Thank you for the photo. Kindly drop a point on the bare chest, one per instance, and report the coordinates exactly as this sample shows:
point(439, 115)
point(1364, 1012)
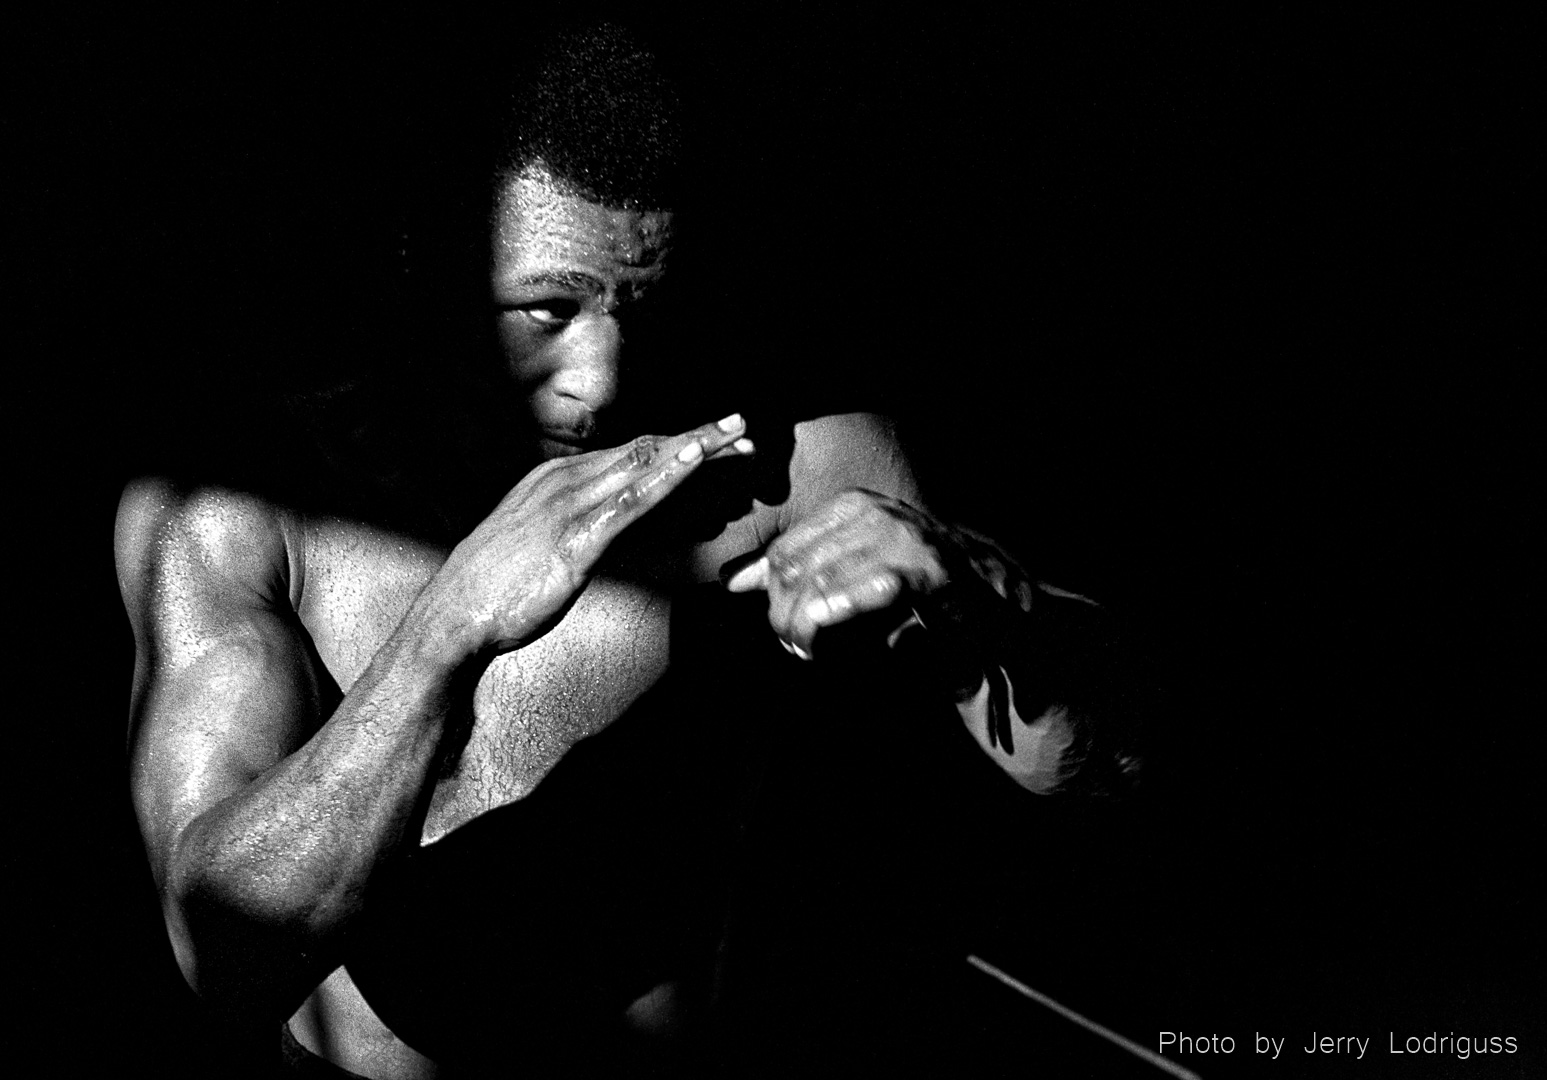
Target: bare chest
point(529, 706)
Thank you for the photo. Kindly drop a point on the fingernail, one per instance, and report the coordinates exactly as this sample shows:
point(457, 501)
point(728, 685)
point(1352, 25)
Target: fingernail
point(731, 422)
point(749, 577)
point(896, 635)
point(691, 452)
point(743, 446)
point(794, 649)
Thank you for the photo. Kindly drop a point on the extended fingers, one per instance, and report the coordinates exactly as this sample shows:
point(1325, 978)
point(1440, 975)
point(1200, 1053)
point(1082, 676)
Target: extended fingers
point(752, 576)
point(625, 483)
point(641, 473)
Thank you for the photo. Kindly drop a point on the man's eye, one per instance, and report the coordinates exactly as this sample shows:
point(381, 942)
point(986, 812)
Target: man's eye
point(551, 313)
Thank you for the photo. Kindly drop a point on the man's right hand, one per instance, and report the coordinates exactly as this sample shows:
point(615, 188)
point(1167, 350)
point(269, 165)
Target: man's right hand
point(267, 805)
point(518, 571)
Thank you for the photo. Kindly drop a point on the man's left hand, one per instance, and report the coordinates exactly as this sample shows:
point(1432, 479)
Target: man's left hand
point(863, 552)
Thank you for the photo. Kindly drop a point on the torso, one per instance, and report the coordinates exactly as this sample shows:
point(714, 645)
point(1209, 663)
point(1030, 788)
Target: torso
point(529, 707)
point(350, 583)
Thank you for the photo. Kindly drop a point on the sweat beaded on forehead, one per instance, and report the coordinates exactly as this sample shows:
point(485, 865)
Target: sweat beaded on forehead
point(536, 220)
point(600, 117)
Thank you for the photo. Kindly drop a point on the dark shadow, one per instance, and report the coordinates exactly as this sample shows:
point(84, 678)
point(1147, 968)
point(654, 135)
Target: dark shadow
point(1217, 323)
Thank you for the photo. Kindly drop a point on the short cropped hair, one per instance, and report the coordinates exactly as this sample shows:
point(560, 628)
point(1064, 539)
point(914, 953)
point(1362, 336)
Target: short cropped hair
point(598, 113)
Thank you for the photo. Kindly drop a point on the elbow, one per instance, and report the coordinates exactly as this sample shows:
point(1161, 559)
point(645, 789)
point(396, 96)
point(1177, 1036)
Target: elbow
point(181, 938)
point(241, 947)
point(209, 933)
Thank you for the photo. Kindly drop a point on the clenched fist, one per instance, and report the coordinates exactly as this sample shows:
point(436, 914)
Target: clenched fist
point(864, 552)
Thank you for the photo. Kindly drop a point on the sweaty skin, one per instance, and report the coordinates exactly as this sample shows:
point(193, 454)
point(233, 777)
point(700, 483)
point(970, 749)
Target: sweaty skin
point(299, 678)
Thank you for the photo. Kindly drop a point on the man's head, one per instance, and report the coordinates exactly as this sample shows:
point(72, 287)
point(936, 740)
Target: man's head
point(581, 226)
point(600, 115)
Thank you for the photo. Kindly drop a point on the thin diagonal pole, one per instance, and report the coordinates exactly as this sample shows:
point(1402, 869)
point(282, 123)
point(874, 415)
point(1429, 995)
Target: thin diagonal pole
point(1089, 1025)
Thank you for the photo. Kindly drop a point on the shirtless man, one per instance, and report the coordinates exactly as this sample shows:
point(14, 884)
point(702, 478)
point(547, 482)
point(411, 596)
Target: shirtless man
point(302, 682)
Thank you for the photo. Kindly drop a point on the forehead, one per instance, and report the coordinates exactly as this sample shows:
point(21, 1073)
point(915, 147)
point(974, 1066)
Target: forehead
point(540, 226)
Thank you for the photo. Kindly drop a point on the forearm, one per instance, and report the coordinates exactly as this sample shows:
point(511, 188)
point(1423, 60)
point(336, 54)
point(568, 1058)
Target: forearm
point(1035, 758)
point(1041, 677)
point(261, 887)
point(1052, 693)
point(266, 854)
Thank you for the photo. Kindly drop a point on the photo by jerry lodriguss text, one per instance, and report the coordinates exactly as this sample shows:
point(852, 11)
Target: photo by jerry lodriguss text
point(1462, 1046)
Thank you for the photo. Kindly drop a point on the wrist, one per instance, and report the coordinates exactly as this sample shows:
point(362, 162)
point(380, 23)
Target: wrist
point(941, 657)
point(438, 643)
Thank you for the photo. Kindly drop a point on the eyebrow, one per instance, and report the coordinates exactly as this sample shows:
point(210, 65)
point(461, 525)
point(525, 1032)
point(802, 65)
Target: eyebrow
point(571, 280)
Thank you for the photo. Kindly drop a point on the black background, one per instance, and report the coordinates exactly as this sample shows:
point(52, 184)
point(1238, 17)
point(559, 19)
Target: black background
point(1214, 317)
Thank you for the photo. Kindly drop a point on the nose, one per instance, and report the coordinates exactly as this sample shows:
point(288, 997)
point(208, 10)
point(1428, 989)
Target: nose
point(586, 368)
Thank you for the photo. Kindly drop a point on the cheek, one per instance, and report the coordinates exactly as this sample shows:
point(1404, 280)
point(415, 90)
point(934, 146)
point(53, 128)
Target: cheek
point(522, 355)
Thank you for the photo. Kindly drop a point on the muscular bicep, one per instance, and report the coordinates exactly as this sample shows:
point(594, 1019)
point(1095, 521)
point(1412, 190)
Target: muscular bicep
point(203, 731)
point(226, 683)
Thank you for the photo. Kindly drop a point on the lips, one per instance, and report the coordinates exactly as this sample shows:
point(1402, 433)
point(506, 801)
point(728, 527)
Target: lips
point(563, 443)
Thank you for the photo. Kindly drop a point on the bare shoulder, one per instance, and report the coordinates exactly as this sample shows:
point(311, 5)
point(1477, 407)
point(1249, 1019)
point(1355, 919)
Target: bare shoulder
point(209, 539)
point(848, 450)
point(223, 683)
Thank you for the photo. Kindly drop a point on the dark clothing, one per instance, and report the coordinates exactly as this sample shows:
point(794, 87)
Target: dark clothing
point(524, 935)
point(787, 836)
